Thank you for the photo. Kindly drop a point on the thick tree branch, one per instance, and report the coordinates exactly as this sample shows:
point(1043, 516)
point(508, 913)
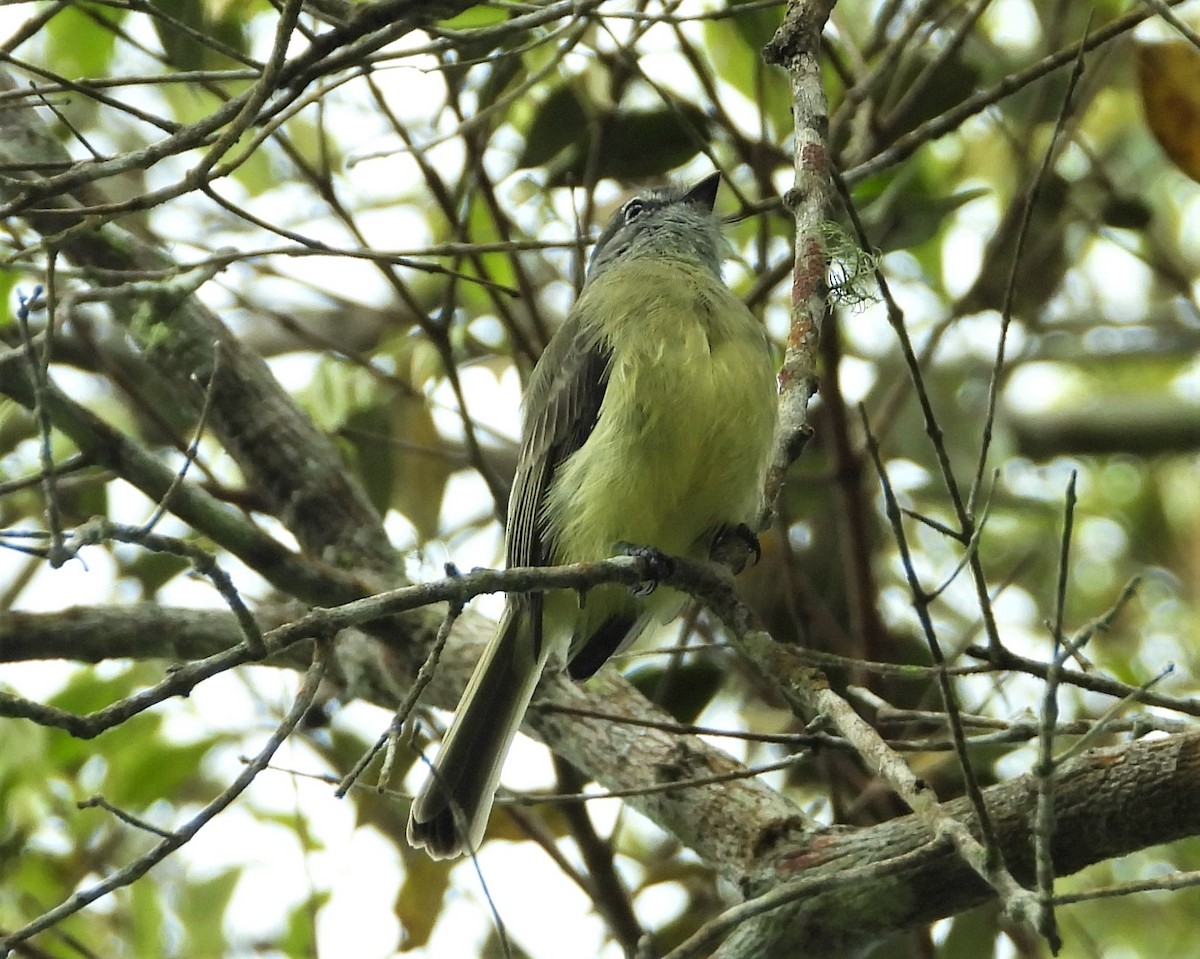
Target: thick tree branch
point(729, 824)
point(107, 446)
point(1108, 802)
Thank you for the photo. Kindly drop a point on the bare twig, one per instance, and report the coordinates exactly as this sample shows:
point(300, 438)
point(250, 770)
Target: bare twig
point(1045, 768)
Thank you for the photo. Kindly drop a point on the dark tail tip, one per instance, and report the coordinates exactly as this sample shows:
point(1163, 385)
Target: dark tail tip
point(439, 836)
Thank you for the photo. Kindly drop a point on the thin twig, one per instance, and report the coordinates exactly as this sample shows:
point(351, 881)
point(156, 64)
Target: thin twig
point(987, 859)
point(1045, 768)
point(404, 710)
point(701, 942)
point(908, 144)
point(39, 374)
point(99, 802)
point(1006, 313)
point(193, 448)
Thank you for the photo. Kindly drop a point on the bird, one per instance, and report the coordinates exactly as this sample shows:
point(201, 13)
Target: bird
point(647, 423)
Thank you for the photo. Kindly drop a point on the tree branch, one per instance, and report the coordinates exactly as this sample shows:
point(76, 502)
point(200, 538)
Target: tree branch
point(278, 449)
point(1107, 803)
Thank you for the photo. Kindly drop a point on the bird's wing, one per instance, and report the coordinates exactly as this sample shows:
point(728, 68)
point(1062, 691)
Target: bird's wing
point(562, 405)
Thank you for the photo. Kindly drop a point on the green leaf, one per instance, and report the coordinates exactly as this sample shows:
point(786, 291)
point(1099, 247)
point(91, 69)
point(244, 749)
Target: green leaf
point(80, 46)
point(222, 22)
point(156, 770)
point(683, 690)
point(258, 173)
point(505, 67)
point(337, 392)
point(634, 144)
point(419, 901)
point(645, 144)
point(735, 49)
point(152, 571)
point(144, 925)
point(1126, 212)
point(481, 15)
point(952, 81)
point(365, 441)
point(558, 123)
point(420, 474)
point(8, 280)
point(300, 939)
point(910, 210)
point(202, 913)
point(86, 691)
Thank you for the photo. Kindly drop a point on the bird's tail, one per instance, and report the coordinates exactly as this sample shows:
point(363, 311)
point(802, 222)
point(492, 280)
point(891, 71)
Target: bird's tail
point(450, 814)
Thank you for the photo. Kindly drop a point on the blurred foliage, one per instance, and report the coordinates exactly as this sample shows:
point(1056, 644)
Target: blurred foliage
point(485, 152)
point(574, 140)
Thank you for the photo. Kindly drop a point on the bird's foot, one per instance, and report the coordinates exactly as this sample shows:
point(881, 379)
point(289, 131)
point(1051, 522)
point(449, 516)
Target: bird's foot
point(733, 545)
point(656, 566)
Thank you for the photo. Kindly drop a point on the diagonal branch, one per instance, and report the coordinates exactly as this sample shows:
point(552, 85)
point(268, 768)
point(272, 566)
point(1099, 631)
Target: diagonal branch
point(279, 450)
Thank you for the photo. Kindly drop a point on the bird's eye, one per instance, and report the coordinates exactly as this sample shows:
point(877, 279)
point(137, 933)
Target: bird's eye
point(633, 209)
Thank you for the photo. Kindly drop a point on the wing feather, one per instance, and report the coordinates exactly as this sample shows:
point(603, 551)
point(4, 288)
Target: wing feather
point(562, 405)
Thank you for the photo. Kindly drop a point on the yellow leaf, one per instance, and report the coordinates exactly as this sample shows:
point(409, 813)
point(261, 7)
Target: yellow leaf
point(1169, 73)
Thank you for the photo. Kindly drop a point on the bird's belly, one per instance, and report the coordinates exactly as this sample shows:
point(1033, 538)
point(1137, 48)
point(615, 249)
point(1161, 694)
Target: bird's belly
point(678, 451)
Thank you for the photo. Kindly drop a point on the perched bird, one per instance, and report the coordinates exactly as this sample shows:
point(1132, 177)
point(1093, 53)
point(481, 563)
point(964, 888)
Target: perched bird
point(647, 421)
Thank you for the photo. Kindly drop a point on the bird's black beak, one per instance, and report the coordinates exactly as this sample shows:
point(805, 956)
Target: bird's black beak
point(704, 193)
